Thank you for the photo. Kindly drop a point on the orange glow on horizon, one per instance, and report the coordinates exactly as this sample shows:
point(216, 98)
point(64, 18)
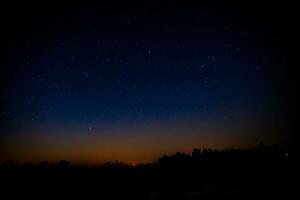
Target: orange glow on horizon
point(128, 144)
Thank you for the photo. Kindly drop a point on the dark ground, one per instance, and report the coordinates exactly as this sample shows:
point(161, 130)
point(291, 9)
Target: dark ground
point(230, 174)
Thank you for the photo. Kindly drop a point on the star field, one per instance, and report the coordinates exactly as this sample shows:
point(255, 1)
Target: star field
point(122, 83)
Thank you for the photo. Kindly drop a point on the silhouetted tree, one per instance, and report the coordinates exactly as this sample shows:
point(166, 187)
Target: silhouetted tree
point(196, 153)
point(261, 146)
point(163, 160)
point(43, 164)
point(8, 164)
point(63, 164)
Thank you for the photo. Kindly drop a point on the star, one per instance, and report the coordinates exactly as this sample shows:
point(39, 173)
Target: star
point(203, 65)
point(226, 28)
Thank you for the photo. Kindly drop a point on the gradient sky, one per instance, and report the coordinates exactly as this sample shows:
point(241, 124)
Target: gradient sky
point(102, 82)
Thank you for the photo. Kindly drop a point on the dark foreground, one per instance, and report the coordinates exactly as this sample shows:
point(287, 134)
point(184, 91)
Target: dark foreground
point(232, 174)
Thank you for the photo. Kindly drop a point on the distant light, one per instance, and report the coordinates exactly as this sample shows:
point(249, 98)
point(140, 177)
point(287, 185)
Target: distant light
point(287, 155)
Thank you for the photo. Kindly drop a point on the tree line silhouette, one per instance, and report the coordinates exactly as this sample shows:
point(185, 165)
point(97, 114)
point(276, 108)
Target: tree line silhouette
point(198, 156)
point(263, 172)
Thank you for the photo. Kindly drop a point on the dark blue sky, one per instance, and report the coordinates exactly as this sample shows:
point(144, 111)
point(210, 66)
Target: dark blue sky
point(81, 71)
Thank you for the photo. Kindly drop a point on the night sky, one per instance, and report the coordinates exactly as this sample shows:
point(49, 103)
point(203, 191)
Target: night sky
point(130, 82)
